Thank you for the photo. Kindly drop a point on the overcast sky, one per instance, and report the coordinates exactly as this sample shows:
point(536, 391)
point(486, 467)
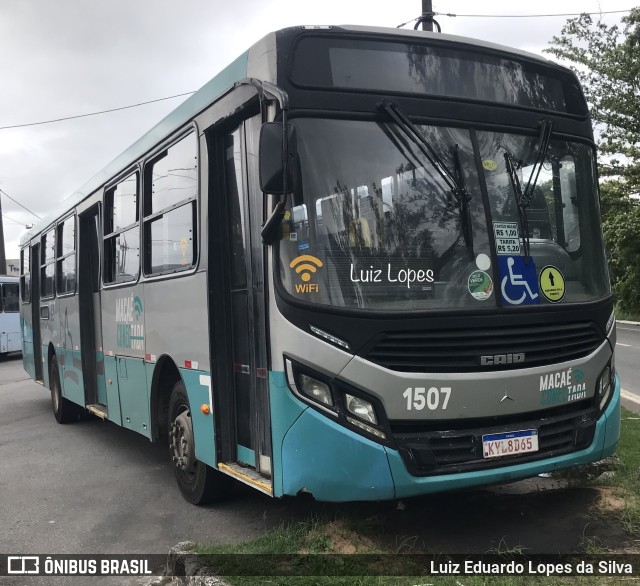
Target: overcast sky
point(67, 57)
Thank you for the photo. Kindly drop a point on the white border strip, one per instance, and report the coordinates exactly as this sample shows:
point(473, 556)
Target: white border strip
point(629, 396)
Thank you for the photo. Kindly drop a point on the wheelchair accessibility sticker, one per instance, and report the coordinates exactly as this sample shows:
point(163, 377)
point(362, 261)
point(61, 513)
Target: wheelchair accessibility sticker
point(518, 280)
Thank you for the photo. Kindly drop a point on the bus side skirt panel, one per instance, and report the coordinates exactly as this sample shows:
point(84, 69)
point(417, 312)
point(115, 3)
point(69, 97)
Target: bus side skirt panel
point(113, 392)
point(44, 351)
point(199, 391)
point(70, 369)
point(285, 410)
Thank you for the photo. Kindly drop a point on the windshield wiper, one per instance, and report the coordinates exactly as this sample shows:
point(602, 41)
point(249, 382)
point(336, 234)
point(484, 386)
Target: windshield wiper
point(523, 198)
point(521, 203)
point(463, 198)
point(455, 183)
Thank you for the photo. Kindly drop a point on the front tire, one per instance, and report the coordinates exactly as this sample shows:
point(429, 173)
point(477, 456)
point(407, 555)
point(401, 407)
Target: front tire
point(199, 484)
point(63, 410)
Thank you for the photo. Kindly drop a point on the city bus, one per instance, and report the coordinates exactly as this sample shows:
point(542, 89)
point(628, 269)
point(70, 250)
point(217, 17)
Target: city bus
point(10, 333)
point(359, 263)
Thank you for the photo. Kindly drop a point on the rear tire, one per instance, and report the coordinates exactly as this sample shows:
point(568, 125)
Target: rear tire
point(63, 410)
point(199, 484)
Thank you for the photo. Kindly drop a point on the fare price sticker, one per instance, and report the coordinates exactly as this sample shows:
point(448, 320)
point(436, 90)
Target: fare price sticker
point(507, 237)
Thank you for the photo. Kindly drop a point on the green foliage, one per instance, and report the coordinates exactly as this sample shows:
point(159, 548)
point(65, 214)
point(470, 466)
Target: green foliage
point(607, 62)
point(621, 227)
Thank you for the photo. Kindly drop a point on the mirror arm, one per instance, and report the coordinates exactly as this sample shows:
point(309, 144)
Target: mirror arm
point(272, 225)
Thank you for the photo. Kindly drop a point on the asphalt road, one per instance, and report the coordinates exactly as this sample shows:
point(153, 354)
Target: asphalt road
point(92, 487)
point(628, 363)
point(628, 356)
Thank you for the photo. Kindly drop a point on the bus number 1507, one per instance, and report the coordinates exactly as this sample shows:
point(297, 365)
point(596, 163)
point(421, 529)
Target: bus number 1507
point(433, 398)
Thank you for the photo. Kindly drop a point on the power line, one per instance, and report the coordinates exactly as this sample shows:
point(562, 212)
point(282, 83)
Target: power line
point(22, 206)
point(565, 14)
point(5, 217)
point(94, 113)
point(532, 15)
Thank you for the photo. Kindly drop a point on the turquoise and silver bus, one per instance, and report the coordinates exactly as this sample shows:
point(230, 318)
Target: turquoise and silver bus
point(360, 263)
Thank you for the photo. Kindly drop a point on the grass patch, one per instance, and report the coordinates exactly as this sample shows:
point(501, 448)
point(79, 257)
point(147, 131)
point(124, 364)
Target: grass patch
point(627, 478)
point(628, 451)
point(626, 315)
point(314, 540)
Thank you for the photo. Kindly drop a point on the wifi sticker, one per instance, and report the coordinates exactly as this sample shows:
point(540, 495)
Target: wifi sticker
point(306, 266)
point(137, 307)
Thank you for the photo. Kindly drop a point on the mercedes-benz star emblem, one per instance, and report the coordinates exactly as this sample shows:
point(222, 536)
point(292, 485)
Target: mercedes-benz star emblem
point(506, 396)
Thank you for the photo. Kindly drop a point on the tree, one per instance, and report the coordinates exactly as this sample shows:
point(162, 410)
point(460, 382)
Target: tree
point(607, 62)
point(621, 222)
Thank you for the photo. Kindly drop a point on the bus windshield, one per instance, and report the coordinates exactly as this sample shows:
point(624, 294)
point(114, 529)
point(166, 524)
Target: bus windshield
point(374, 225)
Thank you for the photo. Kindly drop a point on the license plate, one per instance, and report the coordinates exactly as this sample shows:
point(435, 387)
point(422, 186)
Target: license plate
point(510, 443)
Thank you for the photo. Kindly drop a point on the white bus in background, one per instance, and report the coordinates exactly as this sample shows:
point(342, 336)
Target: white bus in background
point(10, 333)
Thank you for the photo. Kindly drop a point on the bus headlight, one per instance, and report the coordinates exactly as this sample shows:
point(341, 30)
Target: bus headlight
point(361, 409)
point(332, 397)
point(316, 391)
point(604, 386)
point(310, 389)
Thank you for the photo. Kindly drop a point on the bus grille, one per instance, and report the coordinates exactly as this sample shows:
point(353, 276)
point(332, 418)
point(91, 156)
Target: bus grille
point(446, 452)
point(460, 350)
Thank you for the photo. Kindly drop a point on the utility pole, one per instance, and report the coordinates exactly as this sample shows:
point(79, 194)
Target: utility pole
point(427, 16)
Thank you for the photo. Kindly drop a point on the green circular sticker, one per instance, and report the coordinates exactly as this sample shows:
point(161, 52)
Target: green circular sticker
point(489, 165)
point(552, 283)
point(480, 285)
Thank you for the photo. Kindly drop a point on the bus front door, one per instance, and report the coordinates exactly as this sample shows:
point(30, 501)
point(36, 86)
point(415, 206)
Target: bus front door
point(237, 290)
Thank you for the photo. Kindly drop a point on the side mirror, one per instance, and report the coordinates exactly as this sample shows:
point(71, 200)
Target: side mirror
point(273, 157)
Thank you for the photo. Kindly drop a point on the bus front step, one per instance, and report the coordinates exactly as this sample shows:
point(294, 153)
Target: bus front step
point(248, 476)
point(98, 410)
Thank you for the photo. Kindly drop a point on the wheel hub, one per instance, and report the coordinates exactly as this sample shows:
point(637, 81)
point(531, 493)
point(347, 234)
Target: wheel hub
point(182, 444)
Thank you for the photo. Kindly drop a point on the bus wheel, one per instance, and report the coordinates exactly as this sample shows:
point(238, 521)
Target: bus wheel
point(200, 484)
point(64, 410)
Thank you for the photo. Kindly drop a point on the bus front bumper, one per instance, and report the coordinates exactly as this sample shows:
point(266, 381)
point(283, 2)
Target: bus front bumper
point(331, 462)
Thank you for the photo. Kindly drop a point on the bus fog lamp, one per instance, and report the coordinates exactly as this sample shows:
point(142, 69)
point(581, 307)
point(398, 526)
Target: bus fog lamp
point(361, 408)
point(316, 390)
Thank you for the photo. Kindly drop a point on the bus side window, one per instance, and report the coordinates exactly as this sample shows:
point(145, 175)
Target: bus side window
point(48, 265)
point(10, 301)
point(66, 253)
point(171, 191)
point(122, 231)
point(25, 273)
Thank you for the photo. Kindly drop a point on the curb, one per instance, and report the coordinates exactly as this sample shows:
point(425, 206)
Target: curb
point(627, 322)
point(182, 561)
